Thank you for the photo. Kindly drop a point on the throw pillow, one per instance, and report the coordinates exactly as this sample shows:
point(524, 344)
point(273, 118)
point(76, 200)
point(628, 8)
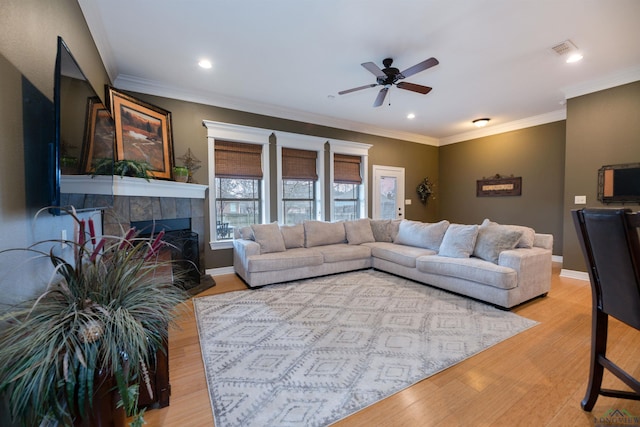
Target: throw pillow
point(245, 233)
point(421, 234)
point(359, 231)
point(293, 236)
point(320, 233)
point(493, 239)
point(528, 233)
point(269, 237)
point(459, 241)
point(380, 229)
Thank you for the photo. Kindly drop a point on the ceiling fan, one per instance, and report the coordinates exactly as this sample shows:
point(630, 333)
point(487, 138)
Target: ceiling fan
point(389, 76)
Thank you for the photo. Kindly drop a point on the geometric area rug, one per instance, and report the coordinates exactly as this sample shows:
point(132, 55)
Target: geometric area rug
point(312, 352)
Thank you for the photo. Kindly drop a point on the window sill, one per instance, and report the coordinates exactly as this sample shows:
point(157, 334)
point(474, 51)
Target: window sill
point(221, 244)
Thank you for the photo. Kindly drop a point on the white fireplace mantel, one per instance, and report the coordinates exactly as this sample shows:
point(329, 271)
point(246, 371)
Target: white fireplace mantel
point(127, 186)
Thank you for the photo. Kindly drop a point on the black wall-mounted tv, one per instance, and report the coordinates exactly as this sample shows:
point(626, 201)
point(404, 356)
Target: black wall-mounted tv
point(74, 100)
point(619, 183)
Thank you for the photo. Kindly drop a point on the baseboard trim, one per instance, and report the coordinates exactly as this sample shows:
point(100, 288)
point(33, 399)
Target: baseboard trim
point(573, 274)
point(220, 271)
point(556, 258)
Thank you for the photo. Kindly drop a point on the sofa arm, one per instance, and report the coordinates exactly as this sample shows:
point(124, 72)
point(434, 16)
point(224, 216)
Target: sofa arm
point(533, 267)
point(242, 250)
point(544, 241)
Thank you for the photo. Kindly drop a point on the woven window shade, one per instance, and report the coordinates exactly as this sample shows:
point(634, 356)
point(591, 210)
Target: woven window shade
point(299, 164)
point(346, 169)
point(238, 160)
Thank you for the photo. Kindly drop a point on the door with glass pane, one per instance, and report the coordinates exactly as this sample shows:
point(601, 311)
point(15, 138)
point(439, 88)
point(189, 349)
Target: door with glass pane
point(388, 192)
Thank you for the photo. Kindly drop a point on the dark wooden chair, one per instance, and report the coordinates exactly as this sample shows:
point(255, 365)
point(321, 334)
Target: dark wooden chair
point(611, 248)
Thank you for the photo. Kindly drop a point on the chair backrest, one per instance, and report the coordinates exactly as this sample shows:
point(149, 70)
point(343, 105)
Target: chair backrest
point(611, 247)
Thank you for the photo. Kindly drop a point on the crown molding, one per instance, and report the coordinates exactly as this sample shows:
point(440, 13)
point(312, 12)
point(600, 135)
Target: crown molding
point(135, 84)
point(528, 122)
point(628, 75)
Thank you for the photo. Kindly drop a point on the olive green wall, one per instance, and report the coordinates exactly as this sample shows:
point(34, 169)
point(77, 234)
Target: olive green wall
point(603, 128)
point(188, 132)
point(28, 47)
point(536, 154)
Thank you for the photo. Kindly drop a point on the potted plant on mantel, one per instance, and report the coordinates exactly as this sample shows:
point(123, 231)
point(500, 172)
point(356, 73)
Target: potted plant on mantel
point(101, 320)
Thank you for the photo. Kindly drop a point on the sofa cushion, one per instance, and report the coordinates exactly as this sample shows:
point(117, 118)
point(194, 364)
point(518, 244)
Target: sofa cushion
point(293, 236)
point(400, 254)
point(385, 230)
point(459, 241)
point(269, 237)
point(318, 233)
point(343, 252)
point(245, 233)
point(528, 233)
point(292, 258)
point(421, 234)
point(359, 231)
point(473, 269)
point(493, 239)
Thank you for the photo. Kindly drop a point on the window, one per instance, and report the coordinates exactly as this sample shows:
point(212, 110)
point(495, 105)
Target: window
point(238, 181)
point(299, 176)
point(346, 187)
point(238, 171)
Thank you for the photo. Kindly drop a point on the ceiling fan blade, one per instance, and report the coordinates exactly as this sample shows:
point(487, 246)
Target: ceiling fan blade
point(414, 87)
point(381, 95)
point(374, 69)
point(342, 92)
point(428, 63)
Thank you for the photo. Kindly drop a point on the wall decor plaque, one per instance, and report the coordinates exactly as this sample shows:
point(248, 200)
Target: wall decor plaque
point(499, 186)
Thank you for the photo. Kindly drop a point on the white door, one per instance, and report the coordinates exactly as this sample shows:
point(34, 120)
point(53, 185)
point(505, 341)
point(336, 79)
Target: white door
point(388, 192)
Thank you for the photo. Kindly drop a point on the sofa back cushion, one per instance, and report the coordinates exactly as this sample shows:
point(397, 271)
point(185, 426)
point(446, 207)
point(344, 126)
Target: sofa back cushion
point(319, 233)
point(385, 230)
point(421, 234)
point(359, 231)
point(269, 237)
point(459, 241)
point(293, 236)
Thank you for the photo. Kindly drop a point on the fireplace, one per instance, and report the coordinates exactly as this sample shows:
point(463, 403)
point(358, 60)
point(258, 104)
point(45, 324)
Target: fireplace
point(182, 245)
point(181, 218)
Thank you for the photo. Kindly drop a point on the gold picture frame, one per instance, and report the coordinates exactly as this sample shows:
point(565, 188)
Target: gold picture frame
point(142, 133)
point(98, 134)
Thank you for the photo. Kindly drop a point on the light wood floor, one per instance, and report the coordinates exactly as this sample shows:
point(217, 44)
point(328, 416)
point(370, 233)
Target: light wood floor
point(536, 378)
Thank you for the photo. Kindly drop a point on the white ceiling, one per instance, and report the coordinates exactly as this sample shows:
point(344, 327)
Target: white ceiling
point(290, 58)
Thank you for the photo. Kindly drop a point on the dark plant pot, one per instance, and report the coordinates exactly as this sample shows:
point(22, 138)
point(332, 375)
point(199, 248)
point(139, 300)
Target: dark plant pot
point(104, 412)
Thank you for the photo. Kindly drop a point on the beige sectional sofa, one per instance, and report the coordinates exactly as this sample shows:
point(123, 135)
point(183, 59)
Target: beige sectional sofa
point(503, 265)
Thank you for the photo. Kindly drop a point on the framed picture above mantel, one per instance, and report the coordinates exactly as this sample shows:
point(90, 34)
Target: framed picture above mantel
point(498, 185)
point(142, 132)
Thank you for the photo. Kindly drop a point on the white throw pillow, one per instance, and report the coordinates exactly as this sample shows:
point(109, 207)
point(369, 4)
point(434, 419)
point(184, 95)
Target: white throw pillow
point(359, 231)
point(293, 236)
point(493, 239)
point(528, 233)
point(269, 237)
point(459, 241)
point(421, 234)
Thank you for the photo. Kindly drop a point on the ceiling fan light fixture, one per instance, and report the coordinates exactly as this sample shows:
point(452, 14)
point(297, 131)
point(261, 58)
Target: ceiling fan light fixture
point(481, 122)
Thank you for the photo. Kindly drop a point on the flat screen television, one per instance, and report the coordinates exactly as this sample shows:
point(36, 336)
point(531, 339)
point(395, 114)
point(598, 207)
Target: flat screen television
point(83, 135)
point(619, 183)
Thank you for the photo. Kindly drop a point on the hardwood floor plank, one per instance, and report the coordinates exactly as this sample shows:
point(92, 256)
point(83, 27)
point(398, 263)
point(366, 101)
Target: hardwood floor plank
point(536, 378)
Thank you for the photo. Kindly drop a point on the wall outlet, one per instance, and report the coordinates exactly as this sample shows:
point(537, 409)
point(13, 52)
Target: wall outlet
point(580, 200)
point(407, 201)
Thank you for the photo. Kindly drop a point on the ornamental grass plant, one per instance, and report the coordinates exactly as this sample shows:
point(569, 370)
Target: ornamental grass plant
point(105, 313)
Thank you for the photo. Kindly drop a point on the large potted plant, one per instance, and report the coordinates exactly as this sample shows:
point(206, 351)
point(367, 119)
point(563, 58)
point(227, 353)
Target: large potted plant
point(101, 320)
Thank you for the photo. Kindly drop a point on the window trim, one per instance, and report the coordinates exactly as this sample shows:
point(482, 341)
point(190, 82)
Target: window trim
point(354, 149)
point(234, 133)
point(300, 142)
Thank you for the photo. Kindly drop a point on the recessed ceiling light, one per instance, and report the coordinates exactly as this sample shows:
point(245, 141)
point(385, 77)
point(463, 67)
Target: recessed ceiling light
point(481, 122)
point(204, 63)
point(411, 116)
point(574, 57)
